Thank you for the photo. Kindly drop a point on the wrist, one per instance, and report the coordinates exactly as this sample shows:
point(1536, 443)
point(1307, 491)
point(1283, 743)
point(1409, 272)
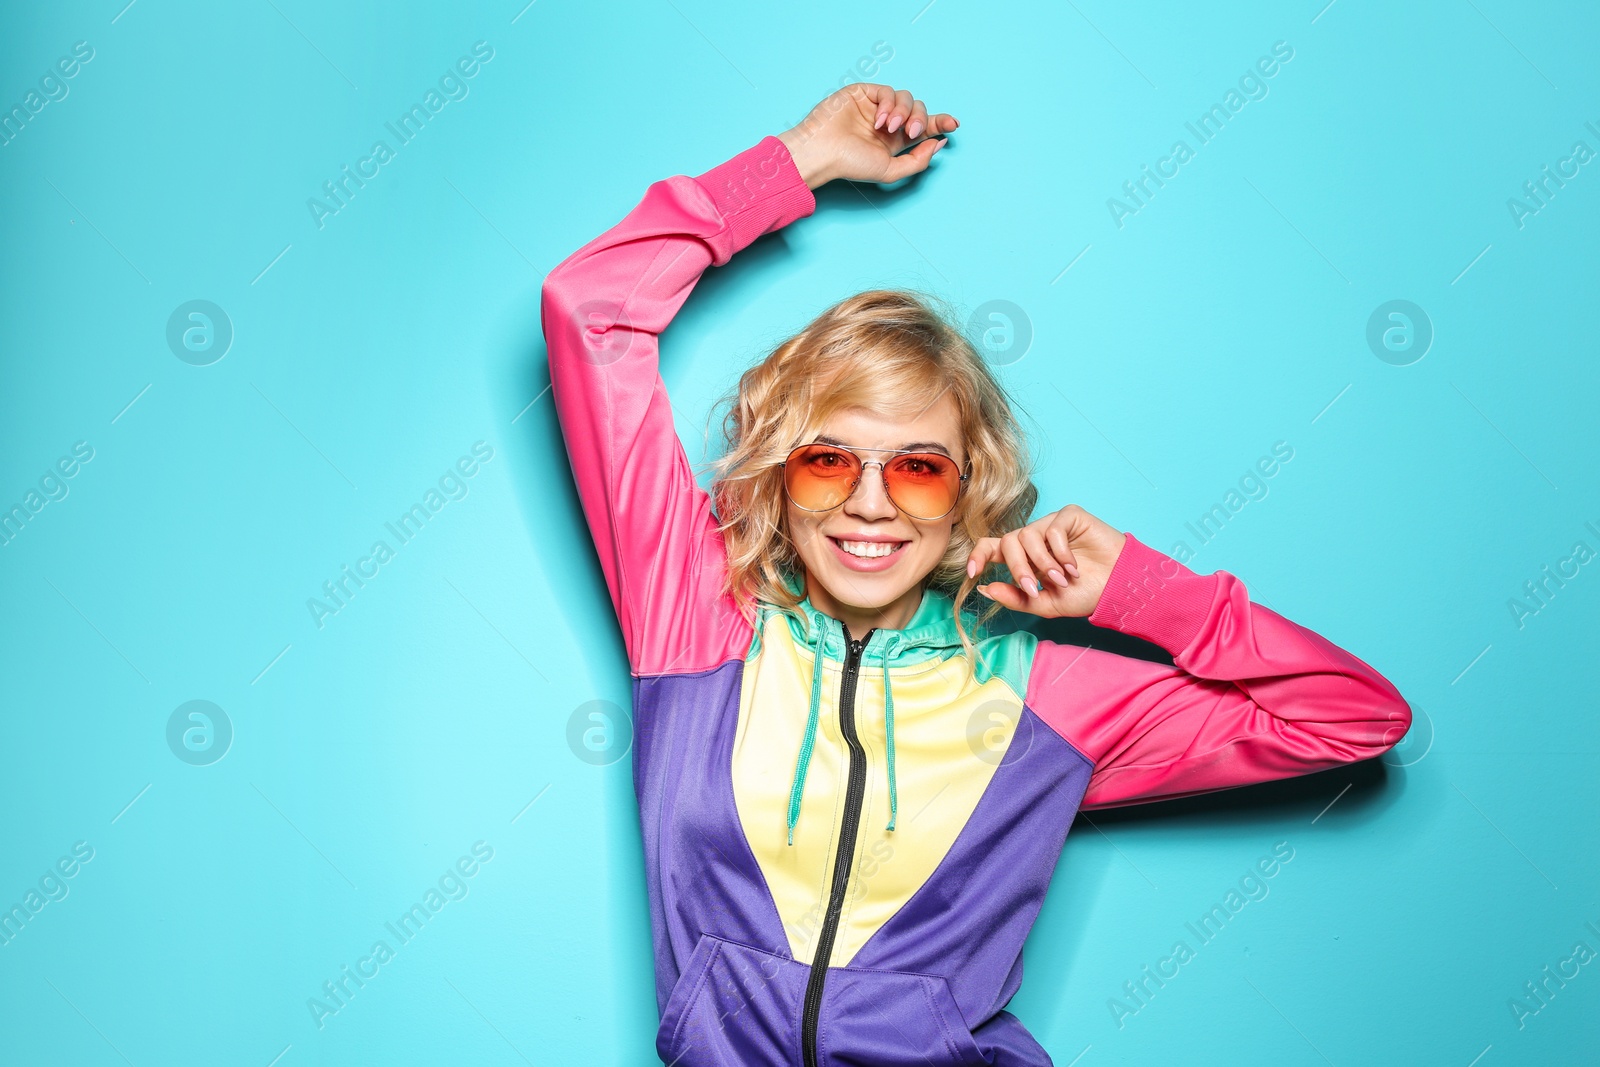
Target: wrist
point(1152, 596)
point(807, 159)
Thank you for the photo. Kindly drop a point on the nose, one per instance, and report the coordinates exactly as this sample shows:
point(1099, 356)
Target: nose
point(870, 499)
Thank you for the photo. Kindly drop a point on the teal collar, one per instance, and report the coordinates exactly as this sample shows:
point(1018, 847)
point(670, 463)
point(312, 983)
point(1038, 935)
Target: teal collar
point(930, 635)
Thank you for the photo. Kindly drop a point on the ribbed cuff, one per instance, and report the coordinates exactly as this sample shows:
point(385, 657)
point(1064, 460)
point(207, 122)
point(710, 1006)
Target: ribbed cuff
point(757, 191)
point(1152, 596)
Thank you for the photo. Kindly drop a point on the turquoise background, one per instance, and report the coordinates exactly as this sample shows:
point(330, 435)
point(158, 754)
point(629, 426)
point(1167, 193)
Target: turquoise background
point(434, 710)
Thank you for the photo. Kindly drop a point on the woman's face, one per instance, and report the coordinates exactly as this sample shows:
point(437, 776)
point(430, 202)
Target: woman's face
point(876, 590)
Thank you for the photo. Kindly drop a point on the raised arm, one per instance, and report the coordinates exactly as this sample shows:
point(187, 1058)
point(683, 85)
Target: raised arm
point(604, 308)
point(1251, 697)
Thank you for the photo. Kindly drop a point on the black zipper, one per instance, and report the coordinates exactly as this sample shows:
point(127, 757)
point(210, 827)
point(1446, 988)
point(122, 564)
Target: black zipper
point(855, 793)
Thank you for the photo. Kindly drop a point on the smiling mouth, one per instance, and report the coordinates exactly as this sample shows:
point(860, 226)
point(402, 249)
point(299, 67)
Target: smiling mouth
point(869, 549)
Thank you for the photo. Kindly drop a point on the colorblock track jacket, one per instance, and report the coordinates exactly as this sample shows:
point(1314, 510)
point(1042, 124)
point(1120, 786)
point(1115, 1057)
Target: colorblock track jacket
point(847, 841)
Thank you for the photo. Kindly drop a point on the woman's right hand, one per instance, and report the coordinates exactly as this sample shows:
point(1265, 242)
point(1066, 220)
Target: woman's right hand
point(860, 132)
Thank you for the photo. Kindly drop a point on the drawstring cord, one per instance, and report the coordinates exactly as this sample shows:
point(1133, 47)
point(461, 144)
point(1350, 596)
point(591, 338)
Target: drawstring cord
point(803, 763)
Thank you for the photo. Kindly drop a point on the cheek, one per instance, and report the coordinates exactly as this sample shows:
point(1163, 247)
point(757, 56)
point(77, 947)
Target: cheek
point(802, 528)
point(933, 543)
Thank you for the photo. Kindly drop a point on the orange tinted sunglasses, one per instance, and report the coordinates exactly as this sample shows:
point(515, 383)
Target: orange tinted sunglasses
point(923, 485)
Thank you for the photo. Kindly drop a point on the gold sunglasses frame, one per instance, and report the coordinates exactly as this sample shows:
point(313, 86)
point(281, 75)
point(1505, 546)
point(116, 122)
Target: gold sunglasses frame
point(961, 485)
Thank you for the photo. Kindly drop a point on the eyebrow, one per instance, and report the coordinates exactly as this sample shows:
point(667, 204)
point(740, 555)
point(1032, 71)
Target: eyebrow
point(915, 446)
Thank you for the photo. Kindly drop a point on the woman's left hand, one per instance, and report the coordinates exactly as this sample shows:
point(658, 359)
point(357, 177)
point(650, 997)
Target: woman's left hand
point(1059, 564)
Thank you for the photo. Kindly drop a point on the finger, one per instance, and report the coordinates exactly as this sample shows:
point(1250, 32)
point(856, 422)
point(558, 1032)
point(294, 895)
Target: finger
point(1058, 540)
point(914, 161)
point(882, 97)
point(1006, 595)
point(942, 123)
point(983, 553)
point(900, 112)
point(1033, 543)
point(918, 121)
point(1016, 558)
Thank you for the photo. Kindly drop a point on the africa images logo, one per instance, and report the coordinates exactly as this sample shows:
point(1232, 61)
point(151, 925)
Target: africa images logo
point(1252, 85)
point(338, 192)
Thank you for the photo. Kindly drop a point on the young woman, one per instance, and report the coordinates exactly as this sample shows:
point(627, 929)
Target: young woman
point(852, 794)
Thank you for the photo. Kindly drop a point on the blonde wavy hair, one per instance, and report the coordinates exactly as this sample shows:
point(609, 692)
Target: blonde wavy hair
point(888, 350)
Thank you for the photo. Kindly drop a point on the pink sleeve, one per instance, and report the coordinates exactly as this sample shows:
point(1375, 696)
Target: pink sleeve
point(1251, 697)
point(603, 309)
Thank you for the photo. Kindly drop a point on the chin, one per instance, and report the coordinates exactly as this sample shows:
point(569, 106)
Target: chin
point(871, 590)
point(870, 583)
point(865, 596)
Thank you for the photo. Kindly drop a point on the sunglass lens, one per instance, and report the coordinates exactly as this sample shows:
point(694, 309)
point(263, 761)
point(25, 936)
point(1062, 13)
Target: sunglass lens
point(819, 477)
point(924, 485)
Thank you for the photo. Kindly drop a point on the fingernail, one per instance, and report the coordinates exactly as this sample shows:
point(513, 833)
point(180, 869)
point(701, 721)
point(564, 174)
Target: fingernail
point(1031, 586)
point(894, 123)
point(983, 591)
point(972, 568)
point(1057, 577)
point(1072, 569)
point(913, 129)
point(942, 142)
point(878, 121)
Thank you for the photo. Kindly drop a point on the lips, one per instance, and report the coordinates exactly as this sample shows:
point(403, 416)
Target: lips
point(883, 552)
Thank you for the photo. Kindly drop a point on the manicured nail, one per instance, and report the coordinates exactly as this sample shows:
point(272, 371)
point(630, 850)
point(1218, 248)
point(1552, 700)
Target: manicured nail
point(983, 591)
point(1057, 577)
point(1072, 569)
point(1031, 586)
point(972, 568)
point(894, 123)
point(913, 129)
point(878, 121)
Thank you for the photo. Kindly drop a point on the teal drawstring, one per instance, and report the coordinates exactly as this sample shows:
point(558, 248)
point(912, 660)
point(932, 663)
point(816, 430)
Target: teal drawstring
point(809, 742)
point(806, 745)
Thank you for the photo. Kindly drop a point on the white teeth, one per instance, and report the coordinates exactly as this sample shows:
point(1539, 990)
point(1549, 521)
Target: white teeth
point(869, 549)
